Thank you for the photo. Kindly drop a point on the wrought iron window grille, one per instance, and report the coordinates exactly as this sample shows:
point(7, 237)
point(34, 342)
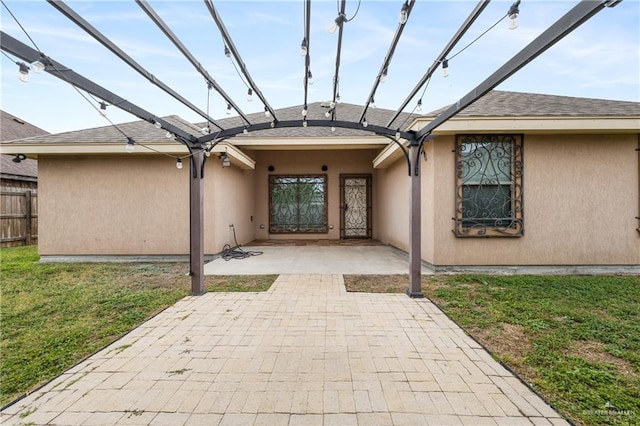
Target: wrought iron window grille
point(488, 199)
point(298, 204)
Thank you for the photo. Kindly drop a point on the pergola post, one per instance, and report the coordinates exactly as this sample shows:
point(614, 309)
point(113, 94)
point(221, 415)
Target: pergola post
point(196, 222)
point(415, 257)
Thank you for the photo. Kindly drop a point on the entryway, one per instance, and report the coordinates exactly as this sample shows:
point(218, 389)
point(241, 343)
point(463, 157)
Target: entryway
point(355, 206)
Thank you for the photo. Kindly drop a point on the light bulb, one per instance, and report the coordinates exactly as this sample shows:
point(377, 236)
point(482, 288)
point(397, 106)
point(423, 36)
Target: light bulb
point(372, 104)
point(130, 147)
point(338, 97)
point(365, 123)
point(383, 76)
point(332, 105)
point(228, 109)
point(249, 95)
point(207, 153)
point(303, 47)
point(404, 13)
point(419, 106)
point(397, 134)
point(227, 52)
point(445, 68)
point(309, 77)
point(267, 113)
point(245, 131)
point(226, 162)
point(304, 123)
point(333, 28)
point(513, 21)
point(333, 128)
point(103, 109)
point(23, 73)
point(327, 114)
point(304, 112)
point(157, 125)
point(179, 163)
point(37, 67)
point(273, 124)
point(169, 135)
point(205, 130)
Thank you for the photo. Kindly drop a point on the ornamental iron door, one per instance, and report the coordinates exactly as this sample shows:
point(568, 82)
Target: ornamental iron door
point(355, 206)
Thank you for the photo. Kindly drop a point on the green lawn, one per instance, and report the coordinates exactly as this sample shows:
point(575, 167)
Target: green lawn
point(576, 339)
point(54, 315)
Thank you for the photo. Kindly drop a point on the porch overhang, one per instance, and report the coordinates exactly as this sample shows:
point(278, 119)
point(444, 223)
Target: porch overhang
point(316, 143)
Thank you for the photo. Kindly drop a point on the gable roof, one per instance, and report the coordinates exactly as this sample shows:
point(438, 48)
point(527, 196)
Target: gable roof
point(516, 104)
point(11, 128)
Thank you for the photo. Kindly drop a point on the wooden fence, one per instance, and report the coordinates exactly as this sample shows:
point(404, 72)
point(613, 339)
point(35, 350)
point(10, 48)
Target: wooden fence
point(18, 218)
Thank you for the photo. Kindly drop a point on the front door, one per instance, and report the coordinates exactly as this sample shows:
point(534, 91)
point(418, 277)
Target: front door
point(355, 206)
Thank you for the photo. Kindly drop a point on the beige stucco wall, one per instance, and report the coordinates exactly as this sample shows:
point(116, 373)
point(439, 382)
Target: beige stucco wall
point(392, 215)
point(309, 162)
point(135, 205)
point(580, 203)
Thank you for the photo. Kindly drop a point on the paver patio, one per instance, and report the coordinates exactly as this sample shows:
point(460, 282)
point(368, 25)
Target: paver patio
point(305, 352)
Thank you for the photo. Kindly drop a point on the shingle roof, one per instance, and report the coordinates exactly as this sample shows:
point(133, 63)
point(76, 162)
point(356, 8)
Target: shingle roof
point(515, 104)
point(316, 111)
point(12, 127)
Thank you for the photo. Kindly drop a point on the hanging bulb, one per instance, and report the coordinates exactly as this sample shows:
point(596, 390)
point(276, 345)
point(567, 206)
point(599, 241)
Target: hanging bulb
point(383, 76)
point(304, 123)
point(205, 130)
point(309, 77)
point(327, 114)
point(333, 128)
point(398, 134)
point(338, 97)
point(267, 113)
point(169, 135)
point(226, 162)
point(179, 163)
point(157, 125)
point(333, 28)
point(341, 19)
point(103, 109)
point(332, 105)
point(228, 109)
point(23, 73)
point(207, 153)
point(227, 52)
point(245, 131)
point(404, 13)
point(273, 124)
point(419, 107)
point(445, 68)
point(37, 67)
point(304, 111)
point(372, 104)
point(514, 11)
point(303, 47)
point(130, 147)
point(249, 94)
point(365, 123)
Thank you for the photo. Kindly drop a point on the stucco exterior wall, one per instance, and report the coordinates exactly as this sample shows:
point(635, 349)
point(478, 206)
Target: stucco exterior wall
point(338, 162)
point(580, 200)
point(135, 205)
point(392, 215)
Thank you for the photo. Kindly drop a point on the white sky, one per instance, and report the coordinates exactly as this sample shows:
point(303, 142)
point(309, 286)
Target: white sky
point(601, 59)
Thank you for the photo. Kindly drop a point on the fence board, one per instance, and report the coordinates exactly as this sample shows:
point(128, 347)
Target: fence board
point(18, 218)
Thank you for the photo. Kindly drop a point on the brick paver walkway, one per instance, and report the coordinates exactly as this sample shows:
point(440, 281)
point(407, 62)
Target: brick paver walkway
point(304, 353)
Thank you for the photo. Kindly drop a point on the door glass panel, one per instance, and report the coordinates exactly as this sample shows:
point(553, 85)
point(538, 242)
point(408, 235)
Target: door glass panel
point(355, 207)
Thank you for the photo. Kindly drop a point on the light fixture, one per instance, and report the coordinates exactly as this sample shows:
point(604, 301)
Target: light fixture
point(327, 114)
point(341, 19)
point(227, 52)
point(445, 68)
point(205, 130)
point(404, 13)
point(169, 135)
point(333, 128)
point(179, 163)
point(226, 162)
point(245, 131)
point(372, 104)
point(419, 106)
point(398, 134)
point(103, 109)
point(18, 158)
point(37, 67)
point(383, 76)
point(157, 125)
point(332, 105)
point(130, 145)
point(304, 48)
point(228, 109)
point(273, 124)
point(23, 73)
point(514, 11)
point(304, 123)
point(249, 94)
point(267, 113)
point(365, 123)
point(338, 97)
point(304, 111)
point(309, 77)
point(207, 152)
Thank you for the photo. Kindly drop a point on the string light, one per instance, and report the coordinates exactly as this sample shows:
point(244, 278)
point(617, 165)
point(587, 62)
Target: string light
point(245, 131)
point(309, 77)
point(327, 114)
point(383, 76)
point(169, 135)
point(372, 104)
point(228, 109)
point(404, 13)
point(226, 162)
point(338, 97)
point(103, 109)
point(332, 105)
point(333, 128)
point(304, 47)
point(249, 94)
point(365, 123)
point(514, 11)
point(304, 123)
point(445, 68)
point(206, 130)
point(179, 163)
point(398, 134)
point(419, 106)
point(130, 147)
point(37, 67)
point(227, 52)
point(157, 125)
point(341, 19)
point(273, 124)
point(267, 113)
point(304, 111)
point(23, 72)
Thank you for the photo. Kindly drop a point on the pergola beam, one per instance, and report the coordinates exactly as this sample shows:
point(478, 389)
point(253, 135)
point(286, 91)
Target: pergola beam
point(336, 75)
point(475, 13)
point(102, 39)
point(187, 54)
point(387, 60)
point(234, 51)
point(28, 54)
point(307, 57)
point(563, 26)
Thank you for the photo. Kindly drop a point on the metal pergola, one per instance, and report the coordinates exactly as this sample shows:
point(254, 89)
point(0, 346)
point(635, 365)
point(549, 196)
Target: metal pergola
point(199, 145)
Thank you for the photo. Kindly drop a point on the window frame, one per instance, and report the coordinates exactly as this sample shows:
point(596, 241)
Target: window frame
point(298, 230)
point(479, 227)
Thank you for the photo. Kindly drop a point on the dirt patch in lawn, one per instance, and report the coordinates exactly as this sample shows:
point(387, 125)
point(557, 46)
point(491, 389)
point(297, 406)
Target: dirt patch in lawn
point(377, 283)
point(594, 352)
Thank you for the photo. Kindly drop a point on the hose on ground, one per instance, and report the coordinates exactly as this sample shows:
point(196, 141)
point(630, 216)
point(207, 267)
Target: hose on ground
point(237, 252)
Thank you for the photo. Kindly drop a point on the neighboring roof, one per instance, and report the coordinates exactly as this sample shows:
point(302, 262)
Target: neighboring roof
point(316, 111)
point(515, 104)
point(11, 128)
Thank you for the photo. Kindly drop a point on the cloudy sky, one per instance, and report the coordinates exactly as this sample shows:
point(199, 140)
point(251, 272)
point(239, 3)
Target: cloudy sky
point(601, 59)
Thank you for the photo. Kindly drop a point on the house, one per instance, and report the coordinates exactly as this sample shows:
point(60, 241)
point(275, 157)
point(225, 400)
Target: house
point(18, 185)
point(516, 180)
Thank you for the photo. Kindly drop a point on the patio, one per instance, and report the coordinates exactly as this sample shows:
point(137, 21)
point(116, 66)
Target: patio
point(305, 352)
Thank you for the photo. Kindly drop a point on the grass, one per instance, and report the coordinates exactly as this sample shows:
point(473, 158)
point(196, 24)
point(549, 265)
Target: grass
point(575, 339)
point(54, 315)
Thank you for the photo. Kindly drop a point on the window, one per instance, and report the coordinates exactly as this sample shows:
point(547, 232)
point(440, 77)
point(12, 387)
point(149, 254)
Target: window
point(489, 186)
point(298, 204)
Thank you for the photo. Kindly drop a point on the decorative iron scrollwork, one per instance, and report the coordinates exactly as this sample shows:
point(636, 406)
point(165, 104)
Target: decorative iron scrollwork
point(489, 186)
point(298, 204)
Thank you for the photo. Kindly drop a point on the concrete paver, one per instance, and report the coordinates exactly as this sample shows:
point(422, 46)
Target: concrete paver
point(304, 352)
